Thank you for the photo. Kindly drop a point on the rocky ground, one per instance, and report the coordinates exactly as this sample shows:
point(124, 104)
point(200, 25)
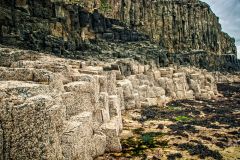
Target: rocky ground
point(58, 108)
point(184, 129)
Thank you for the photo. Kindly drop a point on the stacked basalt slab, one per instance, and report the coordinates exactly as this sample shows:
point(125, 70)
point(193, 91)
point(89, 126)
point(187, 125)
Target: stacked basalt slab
point(54, 108)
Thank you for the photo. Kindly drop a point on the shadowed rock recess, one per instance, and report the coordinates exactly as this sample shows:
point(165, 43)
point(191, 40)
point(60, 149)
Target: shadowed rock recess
point(70, 70)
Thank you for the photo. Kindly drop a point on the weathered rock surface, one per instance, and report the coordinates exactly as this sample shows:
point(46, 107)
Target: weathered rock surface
point(187, 30)
point(176, 24)
point(54, 108)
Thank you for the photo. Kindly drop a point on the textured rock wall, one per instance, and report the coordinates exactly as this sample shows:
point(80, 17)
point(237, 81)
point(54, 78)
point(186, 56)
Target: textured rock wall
point(176, 25)
point(55, 26)
point(53, 108)
point(60, 25)
point(227, 77)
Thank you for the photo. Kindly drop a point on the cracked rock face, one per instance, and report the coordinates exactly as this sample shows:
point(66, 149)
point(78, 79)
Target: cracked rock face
point(175, 25)
point(54, 108)
point(59, 26)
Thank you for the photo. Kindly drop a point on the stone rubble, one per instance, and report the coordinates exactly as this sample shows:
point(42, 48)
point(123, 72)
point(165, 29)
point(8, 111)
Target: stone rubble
point(54, 108)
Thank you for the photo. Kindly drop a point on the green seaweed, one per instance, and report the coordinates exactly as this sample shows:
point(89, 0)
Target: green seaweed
point(105, 7)
point(183, 118)
point(135, 146)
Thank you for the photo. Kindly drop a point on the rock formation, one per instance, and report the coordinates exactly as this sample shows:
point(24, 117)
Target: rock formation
point(109, 56)
point(178, 25)
point(63, 26)
point(54, 108)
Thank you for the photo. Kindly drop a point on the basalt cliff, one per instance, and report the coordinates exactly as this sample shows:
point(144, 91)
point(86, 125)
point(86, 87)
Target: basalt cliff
point(185, 31)
point(70, 72)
